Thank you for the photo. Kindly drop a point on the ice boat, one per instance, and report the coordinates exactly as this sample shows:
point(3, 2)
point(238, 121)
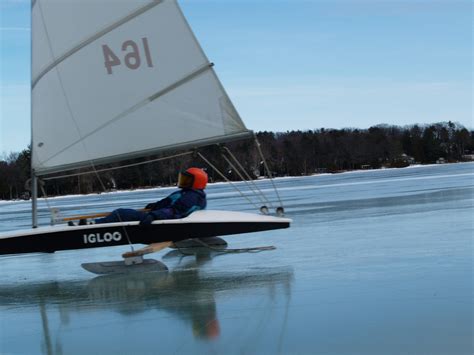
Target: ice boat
point(112, 83)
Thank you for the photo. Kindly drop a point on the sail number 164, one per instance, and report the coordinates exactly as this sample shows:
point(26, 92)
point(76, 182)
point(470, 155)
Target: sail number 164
point(132, 55)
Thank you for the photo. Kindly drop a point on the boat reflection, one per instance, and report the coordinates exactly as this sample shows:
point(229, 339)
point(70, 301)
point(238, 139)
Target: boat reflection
point(187, 292)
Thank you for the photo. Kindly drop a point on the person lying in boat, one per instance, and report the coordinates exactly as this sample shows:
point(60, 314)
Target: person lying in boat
point(191, 197)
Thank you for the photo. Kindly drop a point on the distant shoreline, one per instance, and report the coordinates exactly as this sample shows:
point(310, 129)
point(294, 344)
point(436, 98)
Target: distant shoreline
point(279, 178)
point(287, 154)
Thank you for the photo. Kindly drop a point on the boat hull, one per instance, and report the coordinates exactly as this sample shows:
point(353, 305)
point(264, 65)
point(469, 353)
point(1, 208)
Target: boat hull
point(200, 224)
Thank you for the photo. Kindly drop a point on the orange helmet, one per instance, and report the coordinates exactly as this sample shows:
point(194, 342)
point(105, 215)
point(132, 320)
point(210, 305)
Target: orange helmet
point(192, 178)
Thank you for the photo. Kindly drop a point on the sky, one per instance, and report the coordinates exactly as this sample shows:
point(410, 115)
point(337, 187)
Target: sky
point(300, 64)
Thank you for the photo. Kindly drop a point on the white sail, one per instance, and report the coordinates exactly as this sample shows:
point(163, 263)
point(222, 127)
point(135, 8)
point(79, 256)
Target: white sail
point(118, 79)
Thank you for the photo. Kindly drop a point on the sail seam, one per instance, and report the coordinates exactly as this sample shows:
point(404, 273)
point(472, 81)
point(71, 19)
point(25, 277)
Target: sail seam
point(135, 107)
point(94, 38)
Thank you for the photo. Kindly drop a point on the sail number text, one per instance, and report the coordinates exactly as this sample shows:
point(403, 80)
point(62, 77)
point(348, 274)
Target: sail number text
point(132, 56)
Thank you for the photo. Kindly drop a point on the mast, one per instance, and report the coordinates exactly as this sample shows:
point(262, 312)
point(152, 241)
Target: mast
point(34, 183)
point(34, 199)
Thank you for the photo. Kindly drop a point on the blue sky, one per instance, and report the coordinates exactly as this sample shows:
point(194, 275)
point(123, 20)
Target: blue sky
point(301, 64)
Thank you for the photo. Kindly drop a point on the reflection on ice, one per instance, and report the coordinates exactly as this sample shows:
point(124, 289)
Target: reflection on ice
point(187, 293)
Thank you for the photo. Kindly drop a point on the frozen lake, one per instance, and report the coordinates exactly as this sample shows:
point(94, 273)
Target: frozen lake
point(376, 262)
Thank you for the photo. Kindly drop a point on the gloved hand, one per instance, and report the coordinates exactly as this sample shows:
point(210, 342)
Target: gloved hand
point(147, 219)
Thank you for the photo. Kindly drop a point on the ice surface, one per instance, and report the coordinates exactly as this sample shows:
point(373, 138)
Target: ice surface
point(376, 262)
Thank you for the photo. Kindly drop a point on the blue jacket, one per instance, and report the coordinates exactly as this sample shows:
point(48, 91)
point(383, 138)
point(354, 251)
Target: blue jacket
point(178, 205)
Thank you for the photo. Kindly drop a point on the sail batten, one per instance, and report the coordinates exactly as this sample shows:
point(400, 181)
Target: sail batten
point(138, 86)
point(182, 81)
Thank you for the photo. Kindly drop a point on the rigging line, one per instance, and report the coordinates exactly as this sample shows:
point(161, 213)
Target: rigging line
point(226, 179)
point(68, 105)
point(93, 38)
point(118, 167)
point(52, 210)
point(41, 185)
point(135, 107)
point(248, 176)
point(241, 177)
point(268, 169)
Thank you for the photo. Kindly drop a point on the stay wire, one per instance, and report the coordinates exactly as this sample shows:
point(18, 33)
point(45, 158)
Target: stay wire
point(267, 169)
point(241, 177)
point(227, 179)
point(250, 180)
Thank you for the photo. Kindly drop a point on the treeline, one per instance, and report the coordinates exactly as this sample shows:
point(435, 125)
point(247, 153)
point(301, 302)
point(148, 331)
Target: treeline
point(291, 153)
